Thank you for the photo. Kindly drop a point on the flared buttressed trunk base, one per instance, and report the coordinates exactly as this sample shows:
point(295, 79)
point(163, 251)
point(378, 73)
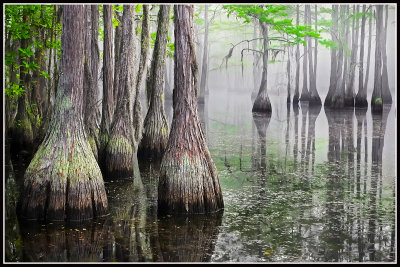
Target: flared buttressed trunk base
point(188, 185)
point(314, 101)
point(63, 182)
point(349, 101)
point(360, 102)
point(262, 104)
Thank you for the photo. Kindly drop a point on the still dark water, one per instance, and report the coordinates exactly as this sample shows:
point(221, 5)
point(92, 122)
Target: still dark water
point(305, 185)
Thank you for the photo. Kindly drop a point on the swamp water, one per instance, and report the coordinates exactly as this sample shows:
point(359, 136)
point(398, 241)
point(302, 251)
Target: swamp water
point(305, 185)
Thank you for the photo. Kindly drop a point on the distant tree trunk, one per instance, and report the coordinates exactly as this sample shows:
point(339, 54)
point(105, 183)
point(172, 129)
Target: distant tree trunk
point(142, 73)
point(333, 80)
point(386, 95)
point(90, 78)
point(63, 181)
point(155, 128)
point(121, 147)
point(188, 181)
point(314, 96)
point(345, 42)
point(338, 97)
point(262, 102)
point(204, 67)
point(368, 56)
point(288, 75)
point(316, 49)
point(376, 100)
point(361, 98)
point(255, 60)
point(349, 97)
point(108, 81)
point(296, 86)
point(305, 94)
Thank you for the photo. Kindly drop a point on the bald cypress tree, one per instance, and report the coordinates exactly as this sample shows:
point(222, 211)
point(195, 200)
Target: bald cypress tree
point(188, 179)
point(63, 181)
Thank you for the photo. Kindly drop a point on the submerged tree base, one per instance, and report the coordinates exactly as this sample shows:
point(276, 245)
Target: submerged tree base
point(262, 104)
point(349, 101)
point(118, 158)
point(360, 102)
point(314, 101)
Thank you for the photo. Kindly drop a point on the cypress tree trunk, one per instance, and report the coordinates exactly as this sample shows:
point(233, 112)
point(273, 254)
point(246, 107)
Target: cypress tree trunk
point(288, 75)
point(376, 99)
point(188, 181)
point(333, 80)
point(262, 102)
point(296, 86)
point(204, 67)
point(108, 81)
point(121, 146)
point(255, 61)
point(361, 98)
point(305, 94)
point(368, 56)
point(386, 95)
point(155, 130)
point(117, 53)
point(142, 72)
point(90, 81)
point(314, 96)
point(338, 97)
point(349, 96)
point(63, 181)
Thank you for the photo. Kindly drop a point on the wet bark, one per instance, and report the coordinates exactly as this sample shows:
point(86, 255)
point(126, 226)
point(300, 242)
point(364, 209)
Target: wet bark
point(297, 81)
point(376, 99)
point(386, 95)
point(63, 181)
point(262, 103)
point(90, 80)
point(142, 72)
point(155, 128)
point(204, 66)
point(361, 97)
point(108, 81)
point(188, 180)
point(121, 146)
point(305, 94)
point(333, 80)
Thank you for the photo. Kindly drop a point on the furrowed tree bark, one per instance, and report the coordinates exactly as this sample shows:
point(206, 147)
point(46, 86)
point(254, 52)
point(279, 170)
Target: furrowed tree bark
point(108, 81)
point(386, 95)
point(142, 72)
point(333, 80)
point(155, 129)
point(349, 95)
point(361, 97)
point(305, 94)
point(314, 99)
point(121, 146)
point(117, 53)
point(188, 180)
point(376, 99)
point(297, 81)
point(63, 181)
point(262, 102)
point(204, 66)
point(90, 80)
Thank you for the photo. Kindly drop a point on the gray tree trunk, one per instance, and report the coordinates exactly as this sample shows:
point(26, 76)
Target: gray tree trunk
point(361, 98)
point(314, 96)
point(376, 99)
point(297, 80)
point(386, 95)
point(333, 80)
point(368, 56)
point(204, 67)
point(262, 102)
point(288, 75)
point(305, 93)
